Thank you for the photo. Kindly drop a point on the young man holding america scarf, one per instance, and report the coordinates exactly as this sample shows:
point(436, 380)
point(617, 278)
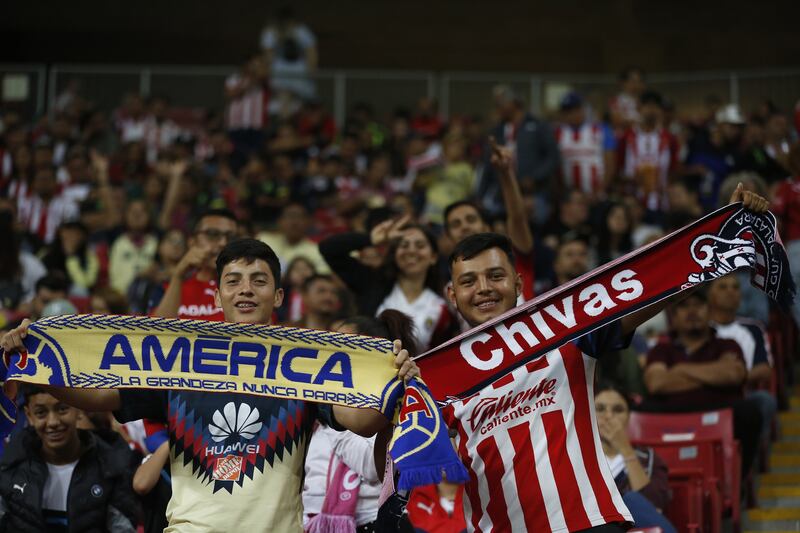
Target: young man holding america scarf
point(529, 440)
point(236, 460)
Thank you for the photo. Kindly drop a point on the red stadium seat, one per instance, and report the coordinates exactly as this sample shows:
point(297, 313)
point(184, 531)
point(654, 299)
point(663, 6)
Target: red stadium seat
point(700, 457)
point(689, 427)
point(685, 509)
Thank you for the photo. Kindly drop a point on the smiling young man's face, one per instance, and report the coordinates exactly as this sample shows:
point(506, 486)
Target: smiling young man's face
point(247, 292)
point(484, 286)
point(55, 422)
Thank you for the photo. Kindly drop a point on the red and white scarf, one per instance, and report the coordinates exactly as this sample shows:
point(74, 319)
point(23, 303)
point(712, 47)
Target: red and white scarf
point(719, 243)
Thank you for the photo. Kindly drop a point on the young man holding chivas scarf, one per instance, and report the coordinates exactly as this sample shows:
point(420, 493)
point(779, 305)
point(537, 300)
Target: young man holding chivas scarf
point(236, 460)
point(530, 438)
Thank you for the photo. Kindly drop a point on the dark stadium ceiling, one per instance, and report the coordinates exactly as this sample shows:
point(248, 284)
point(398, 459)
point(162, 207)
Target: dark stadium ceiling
point(552, 36)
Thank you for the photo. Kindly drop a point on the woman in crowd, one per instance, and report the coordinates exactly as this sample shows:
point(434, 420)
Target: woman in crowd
point(134, 251)
point(71, 253)
point(408, 280)
point(640, 474)
point(146, 290)
point(614, 237)
point(298, 271)
point(334, 456)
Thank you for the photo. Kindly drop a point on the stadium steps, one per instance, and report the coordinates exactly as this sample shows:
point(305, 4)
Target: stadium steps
point(779, 490)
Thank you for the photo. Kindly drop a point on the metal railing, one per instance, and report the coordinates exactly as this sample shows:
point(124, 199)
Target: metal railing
point(458, 92)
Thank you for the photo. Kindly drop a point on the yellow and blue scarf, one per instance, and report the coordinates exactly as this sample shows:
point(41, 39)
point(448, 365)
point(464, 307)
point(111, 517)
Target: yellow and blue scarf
point(118, 352)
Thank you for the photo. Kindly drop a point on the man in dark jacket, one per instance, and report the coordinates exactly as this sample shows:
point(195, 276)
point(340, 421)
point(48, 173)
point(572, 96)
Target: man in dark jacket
point(535, 152)
point(57, 478)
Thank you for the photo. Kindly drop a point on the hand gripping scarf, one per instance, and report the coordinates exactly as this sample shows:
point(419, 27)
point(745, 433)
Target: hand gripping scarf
point(96, 351)
point(719, 243)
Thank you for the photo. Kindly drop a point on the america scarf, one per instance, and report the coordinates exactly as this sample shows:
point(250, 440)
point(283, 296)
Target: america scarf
point(120, 352)
point(721, 242)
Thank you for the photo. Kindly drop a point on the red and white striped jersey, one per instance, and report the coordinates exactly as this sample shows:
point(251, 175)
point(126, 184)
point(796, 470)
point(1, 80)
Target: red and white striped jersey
point(43, 219)
point(582, 150)
point(531, 446)
point(649, 157)
point(248, 111)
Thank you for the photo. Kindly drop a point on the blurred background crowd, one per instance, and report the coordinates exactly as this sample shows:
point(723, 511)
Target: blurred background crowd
point(102, 211)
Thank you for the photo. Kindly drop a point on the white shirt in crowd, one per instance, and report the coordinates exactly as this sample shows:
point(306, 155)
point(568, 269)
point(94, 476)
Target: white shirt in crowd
point(356, 452)
point(56, 488)
point(427, 312)
point(744, 331)
point(292, 76)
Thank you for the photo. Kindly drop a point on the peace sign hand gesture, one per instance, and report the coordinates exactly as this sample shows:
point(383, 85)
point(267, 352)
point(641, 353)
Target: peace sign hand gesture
point(389, 230)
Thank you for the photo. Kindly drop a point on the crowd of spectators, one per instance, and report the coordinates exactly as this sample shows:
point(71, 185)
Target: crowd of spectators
point(125, 212)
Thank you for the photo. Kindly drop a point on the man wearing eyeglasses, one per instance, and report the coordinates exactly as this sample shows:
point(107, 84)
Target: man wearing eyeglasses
point(190, 292)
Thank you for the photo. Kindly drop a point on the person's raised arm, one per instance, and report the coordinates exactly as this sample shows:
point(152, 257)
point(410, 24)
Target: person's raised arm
point(519, 230)
point(112, 216)
point(175, 173)
point(337, 250)
point(750, 201)
point(86, 399)
point(171, 301)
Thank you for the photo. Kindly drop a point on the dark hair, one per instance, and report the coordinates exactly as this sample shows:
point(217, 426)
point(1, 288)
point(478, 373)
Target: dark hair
point(296, 260)
point(691, 182)
point(610, 386)
point(56, 258)
point(390, 324)
point(460, 203)
point(570, 237)
point(249, 250)
point(794, 159)
point(221, 212)
point(115, 300)
point(55, 281)
point(10, 266)
point(27, 390)
point(628, 71)
point(473, 245)
point(651, 97)
point(625, 244)
point(432, 279)
point(699, 293)
point(316, 277)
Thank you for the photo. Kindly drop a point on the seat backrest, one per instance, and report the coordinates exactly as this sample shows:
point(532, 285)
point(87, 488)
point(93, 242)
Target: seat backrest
point(676, 427)
point(700, 455)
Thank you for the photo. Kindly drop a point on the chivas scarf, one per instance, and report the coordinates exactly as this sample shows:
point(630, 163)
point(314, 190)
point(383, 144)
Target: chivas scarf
point(719, 243)
point(107, 351)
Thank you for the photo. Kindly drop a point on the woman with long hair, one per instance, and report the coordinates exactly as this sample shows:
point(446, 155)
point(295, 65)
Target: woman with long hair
point(640, 475)
point(614, 236)
point(297, 272)
point(408, 280)
point(333, 452)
